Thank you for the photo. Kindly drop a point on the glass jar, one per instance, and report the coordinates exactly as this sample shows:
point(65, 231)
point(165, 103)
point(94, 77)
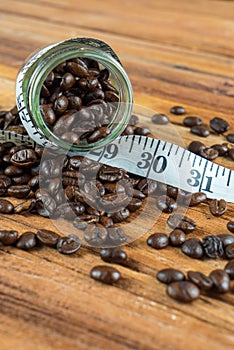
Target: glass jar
point(34, 72)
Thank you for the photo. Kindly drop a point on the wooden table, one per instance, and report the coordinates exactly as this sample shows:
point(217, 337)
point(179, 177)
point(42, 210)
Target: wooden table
point(175, 52)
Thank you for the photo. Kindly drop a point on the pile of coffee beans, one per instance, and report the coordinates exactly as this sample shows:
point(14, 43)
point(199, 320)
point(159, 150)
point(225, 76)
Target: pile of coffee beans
point(78, 101)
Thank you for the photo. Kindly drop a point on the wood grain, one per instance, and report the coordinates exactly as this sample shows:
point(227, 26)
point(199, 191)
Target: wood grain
point(175, 52)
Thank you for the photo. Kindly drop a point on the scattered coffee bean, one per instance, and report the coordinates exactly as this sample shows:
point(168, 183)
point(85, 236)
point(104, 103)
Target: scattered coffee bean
point(200, 130)
point(68, 245)
point(26, 241)
point(229, 251)
point(105, 274)
point(113, 255)
point(229, 269)
point(170, 275)
point(226, 239)
point(196, 147)
point(116, 236)
point(158, 240)
point(18, 191)
point(221, 148)
point(192, 121)
point(219, 125)
point(166, 204)
point(142, 130)
point(192, 247)
point(6, 207)
point(25, 207)
point(220, 280)
point(95, 234)
point(182, 222)
point(8, 237)
point(47, 237)
point(160, 119)
point(230, 226)
point(202, 281)
point(230, 138)
point(197, 198)
point(209, 153)
point(177, 237)
point(178, 110)
point(217, 207)
point(213, 246)
point(183, 291)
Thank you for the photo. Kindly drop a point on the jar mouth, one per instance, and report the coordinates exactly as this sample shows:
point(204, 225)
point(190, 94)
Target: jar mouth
point(53, 58)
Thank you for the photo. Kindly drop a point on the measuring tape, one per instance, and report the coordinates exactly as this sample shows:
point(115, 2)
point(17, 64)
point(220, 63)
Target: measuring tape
point(157, 160)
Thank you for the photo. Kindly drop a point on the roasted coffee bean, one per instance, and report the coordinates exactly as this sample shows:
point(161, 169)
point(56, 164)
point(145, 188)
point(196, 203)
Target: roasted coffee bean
point(105, 274)
point(219, 125)
point(182, 222)
point(61, 104)
point(46, 199)
point(221, 281)
point(174, 192)
point(121, 215)
point(170, 275)
point(110, 174)
point(147, 186)
point(8, 237)
point(230, 226)
point(75, 102)
point(79, 69)
point(226, 239)
point(6, 207)
point(19, 191)
point(13, 170)
point(200, 130)
point(48, 114)
point(229, 269)
point(116, 236)
point(83, 221)
point(192, 247)
point(166, 204)
point(221, 148)
point(64, 123)
point(113, 255)
point(71, 137)
point(134, 120)
point(209, 153)
point(25, 207)
point(95, 235)
point(5, 181)
point(158, 240)
point(47, 237)
point(213, 247)
point(177, 238)
point(142, 130)
point(197, 198)
point(178, 110)
point(68, 81)
point(231, 153)
point(68, 245)
point(34, 182)
point(160, 119)
point(98, 134)
point(106, 221)
point(26, 241)
point(201, 280)
point(128, 130)
point(134, 204)
point(21, 180)
point(217, 207)
point(230, 138)
point(229, 251)
point(192, 121)
point(183, 291)
point(196, 147)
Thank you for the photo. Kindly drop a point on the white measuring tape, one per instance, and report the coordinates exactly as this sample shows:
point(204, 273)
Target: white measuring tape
point(158, 160)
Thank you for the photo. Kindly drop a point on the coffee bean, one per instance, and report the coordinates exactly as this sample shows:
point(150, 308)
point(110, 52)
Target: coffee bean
point(116, 236)
point(71, 137)
point(178, 110)
point(82, 221)
point(133, 120)
point(5, 182)
point(6, 207)
point(196, 147)
point(105, 274)
point(8, 237)
point(106, 221)
point(230, 226)
point(160, 119)
point(192, 121)
point(219, 125)
point(68, 245)
point(95, 235)
point(47, 237)
point(113, 255)
point(48, 114)
point(110, 174)
point(217, 207)
point(142, 130)
point(213, 246)
point(230, 138)
point(229, 269)
point(220, 280)
point(201, 280)
point(226, 239)
point(98, 134)
point(19, 191)
point(134, 204)
point(197, 198)
point(229, 251)
point(158, 240)
point(231, 153)
point(209, 153)
point(221, 148)
point(128, 131)
point(192, 247)
point(26, 241)
point(177, 237)
point(21, 180)
point(183, 291)
point(182, 222)
point(200, 130)
point(170, 275)
point(78, 69)
point(121, 215)
point(25, 207)
point(166, 204)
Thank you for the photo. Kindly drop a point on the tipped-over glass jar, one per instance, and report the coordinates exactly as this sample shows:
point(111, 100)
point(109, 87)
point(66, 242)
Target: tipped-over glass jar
point(74, 95)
